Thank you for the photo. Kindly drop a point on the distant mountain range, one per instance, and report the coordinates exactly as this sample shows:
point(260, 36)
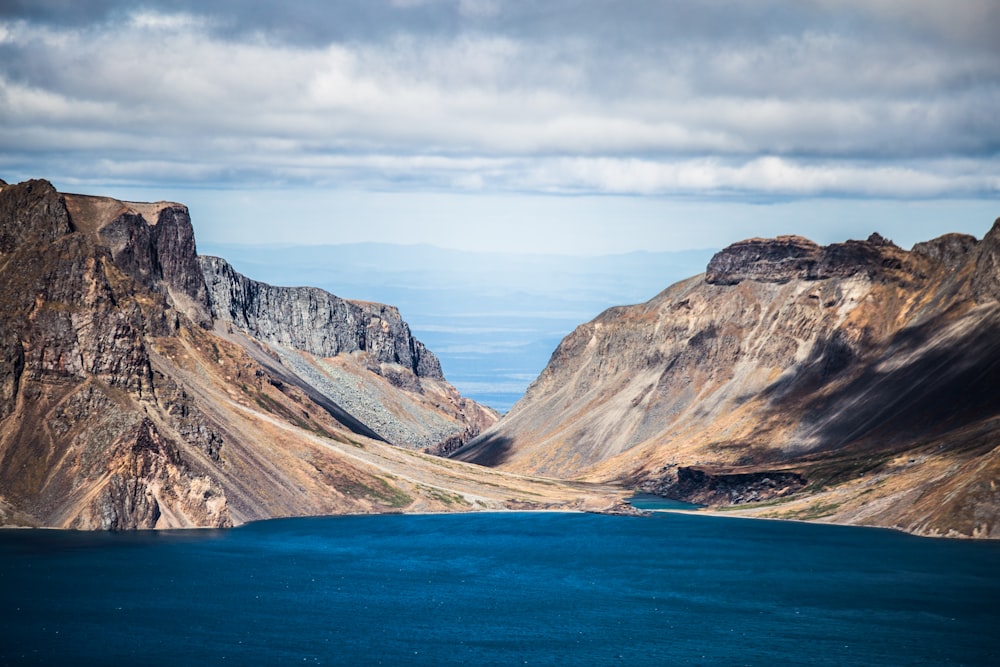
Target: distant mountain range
point(492, 318)
point(854, 383)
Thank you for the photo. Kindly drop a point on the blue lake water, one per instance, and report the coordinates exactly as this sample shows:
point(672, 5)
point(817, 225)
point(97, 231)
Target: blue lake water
point(513, 588)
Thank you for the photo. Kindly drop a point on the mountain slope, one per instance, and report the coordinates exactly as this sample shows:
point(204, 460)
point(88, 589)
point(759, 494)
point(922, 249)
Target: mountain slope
point(374, 376)
point(127, 401)
point(854, 383)
point(492, 318)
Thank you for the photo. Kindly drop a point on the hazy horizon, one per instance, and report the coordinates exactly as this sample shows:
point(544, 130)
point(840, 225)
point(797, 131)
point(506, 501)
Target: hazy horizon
point(493, 324)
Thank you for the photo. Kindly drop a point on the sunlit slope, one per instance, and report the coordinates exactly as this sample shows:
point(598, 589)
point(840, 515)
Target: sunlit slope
point(128, 402)
point(855, 382)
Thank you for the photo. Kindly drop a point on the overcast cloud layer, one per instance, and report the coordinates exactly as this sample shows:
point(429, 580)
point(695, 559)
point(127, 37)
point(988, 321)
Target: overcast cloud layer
point(746, 101)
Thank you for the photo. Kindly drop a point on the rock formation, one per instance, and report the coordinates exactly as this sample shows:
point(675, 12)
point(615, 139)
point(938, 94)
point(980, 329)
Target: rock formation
point(134, 394)
point(315, 321)
point(789, 258)
point(853, 383)
point(375, 377)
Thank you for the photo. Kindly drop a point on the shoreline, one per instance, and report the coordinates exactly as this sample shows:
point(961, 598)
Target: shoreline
point(638, 513)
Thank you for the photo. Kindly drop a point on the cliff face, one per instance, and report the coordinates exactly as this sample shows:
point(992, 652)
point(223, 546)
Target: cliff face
point(359, 358)
point(789, 258)
point(853, 382)
point(126, 403)
point(78, 379)
point(159, 254)
point(315, 321)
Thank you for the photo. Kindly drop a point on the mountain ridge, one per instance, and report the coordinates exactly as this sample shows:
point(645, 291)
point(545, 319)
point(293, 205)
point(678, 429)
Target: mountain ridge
point(848, 383)
point(127, 403)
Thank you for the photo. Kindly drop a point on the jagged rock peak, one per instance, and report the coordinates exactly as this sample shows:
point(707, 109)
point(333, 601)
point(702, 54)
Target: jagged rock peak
point(986, 279)
point(315, 321)
point(786, 258)
point(154, 244)
point(877, 239)
point(952, 250)
point(31, 212)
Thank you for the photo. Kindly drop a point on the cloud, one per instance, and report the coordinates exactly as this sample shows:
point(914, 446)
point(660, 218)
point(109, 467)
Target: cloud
point(766, 175)
point(155, 21)
point(774, 99)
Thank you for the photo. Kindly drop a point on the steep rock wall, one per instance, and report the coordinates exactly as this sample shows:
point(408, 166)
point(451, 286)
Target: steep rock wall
point(161, 255)
point(313, 320)
point(78, 379)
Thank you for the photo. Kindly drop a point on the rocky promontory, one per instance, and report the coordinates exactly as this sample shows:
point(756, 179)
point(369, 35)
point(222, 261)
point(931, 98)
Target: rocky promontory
point(786, 258)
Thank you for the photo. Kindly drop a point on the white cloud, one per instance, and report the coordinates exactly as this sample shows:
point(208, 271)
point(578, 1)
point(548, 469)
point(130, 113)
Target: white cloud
point(28, 105)
point(158, 21)
point(768, 175)
point(804, 109)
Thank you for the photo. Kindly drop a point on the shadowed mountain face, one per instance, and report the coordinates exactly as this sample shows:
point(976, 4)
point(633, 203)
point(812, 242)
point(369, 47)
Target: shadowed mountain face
point(144, 387)
point(855, 382)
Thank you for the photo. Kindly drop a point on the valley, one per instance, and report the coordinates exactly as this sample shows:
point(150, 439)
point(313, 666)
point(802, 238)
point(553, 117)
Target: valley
point(147, 386)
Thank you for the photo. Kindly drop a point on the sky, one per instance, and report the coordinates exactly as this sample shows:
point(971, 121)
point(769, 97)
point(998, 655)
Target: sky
point(572, 127)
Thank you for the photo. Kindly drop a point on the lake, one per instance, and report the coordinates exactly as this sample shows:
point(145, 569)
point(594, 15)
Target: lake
point(500, 588)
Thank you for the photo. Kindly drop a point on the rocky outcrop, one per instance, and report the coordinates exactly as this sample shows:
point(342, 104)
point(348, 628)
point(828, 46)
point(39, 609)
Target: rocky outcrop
point(986, 259)
point(772, 260)
point(951, 250)
point(31, 212)
point(358, 358)
point(310, 319)
point(161, 255)
point(67, 317)
point(787, 258)
point(853, 382)
point(703, 486)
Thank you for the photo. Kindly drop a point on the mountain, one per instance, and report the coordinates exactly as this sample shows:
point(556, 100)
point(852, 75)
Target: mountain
point(383, 383)
point(143, 386)
point(852, 383)
point(492, 318)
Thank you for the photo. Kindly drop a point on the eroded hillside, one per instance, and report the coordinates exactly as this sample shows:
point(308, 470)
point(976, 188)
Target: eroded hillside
point(855, 383)
point(132, 395)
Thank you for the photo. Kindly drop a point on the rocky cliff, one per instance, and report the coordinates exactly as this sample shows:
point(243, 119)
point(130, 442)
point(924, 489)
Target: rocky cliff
point(358, 357)
point(315, 321)
point(853, 383)
point(134, 394)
